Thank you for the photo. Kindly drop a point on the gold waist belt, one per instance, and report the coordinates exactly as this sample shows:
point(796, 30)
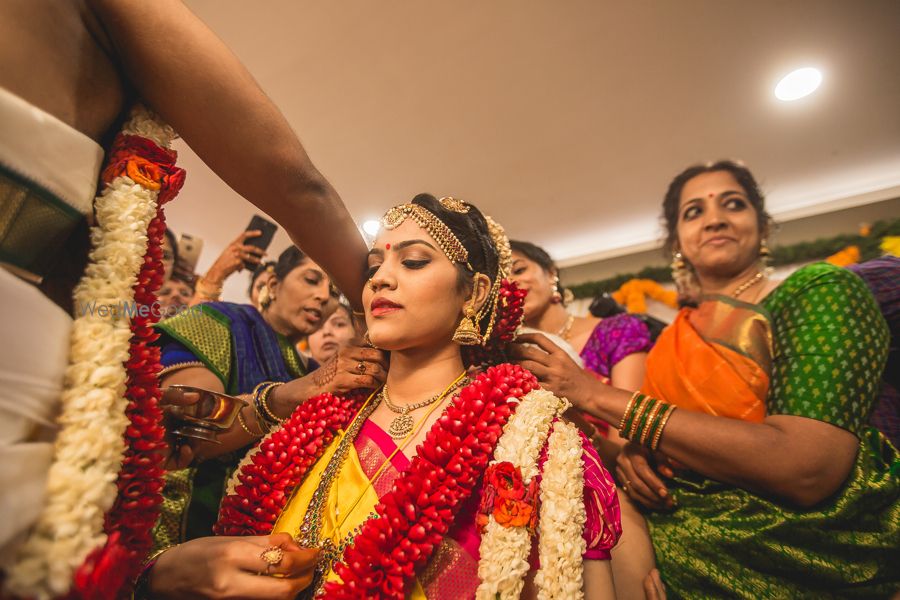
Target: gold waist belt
point(34, 224)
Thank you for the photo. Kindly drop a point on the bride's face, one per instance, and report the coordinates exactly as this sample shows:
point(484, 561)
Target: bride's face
point(413, 298)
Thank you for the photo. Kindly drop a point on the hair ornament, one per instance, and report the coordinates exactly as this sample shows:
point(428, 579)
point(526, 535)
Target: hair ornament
point(451, 203)
point(424, 218)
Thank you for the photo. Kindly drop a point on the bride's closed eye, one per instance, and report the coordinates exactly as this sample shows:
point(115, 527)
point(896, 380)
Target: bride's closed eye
point(411, 263)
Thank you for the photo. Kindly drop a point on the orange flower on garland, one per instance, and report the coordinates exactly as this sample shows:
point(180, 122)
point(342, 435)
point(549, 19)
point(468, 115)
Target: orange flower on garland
point(145, 163)
point(506, 497)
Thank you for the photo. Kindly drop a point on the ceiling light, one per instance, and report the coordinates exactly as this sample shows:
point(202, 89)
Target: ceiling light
point(371, 227)
point(798, 84)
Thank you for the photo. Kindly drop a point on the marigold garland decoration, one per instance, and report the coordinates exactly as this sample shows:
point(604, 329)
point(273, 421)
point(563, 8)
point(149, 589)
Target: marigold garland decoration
point(891, 245)
point(106, 454)
point(846, 257)
point(633, 295)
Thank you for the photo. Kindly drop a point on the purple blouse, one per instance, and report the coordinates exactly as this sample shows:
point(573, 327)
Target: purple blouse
point(613, 339)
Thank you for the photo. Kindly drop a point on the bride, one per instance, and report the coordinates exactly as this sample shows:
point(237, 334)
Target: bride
point(447, 482)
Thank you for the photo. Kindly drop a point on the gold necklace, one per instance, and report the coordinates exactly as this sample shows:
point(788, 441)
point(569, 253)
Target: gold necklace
point(308, 535)
point(747, 284)
point(403, 422)
point(566, 329)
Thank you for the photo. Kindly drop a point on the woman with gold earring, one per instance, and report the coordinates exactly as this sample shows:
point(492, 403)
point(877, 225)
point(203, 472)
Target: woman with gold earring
point(430, 486)
point(249, 353)
point(614, 348)
point(749, 445)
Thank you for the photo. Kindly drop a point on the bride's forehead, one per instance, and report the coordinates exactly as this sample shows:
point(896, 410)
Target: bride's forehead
point(408, 230)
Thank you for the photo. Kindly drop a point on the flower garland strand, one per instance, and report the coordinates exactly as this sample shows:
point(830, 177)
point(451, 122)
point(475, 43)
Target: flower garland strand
point(89, 450)
point(505, 546)
point(414, 516)
point(561, 543)
point(130, 522)
point(282, 460)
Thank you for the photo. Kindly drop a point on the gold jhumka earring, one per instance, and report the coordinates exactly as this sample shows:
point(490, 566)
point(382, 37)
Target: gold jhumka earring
point(765, 257)
point(467, 333)
point(684, 278)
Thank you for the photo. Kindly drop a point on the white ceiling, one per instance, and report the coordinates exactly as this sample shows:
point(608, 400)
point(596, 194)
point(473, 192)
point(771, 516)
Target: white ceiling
point(564, 120)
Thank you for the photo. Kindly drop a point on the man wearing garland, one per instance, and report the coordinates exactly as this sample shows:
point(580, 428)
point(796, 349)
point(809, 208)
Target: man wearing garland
point(69, 72)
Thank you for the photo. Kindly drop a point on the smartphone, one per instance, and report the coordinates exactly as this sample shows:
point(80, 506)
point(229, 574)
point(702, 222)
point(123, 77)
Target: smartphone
point(189, 248)
point(268, 229)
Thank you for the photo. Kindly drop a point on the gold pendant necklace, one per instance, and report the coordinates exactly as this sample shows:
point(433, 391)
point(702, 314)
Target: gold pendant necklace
point(747, 284)
point(403, 422)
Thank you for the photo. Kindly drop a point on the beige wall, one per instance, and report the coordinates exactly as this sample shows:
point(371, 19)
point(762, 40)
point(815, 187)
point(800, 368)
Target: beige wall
point(792, 232)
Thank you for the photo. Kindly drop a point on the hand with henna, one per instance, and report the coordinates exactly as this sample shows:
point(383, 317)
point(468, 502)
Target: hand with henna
point(355, 366)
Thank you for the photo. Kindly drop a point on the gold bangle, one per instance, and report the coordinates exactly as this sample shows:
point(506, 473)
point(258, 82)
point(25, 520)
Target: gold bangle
point(140, 591)
point(264, 402)
point(662, 425)
point(638, 411)
point(627, 409)
point(208, 290)
point(648, 425)
point(243, 423)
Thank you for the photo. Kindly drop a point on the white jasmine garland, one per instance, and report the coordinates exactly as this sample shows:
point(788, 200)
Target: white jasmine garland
point(562, 517)
point(504, 550)
point(90, 445)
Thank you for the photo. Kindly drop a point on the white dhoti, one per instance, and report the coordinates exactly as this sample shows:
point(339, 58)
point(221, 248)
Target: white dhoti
point(47, 171)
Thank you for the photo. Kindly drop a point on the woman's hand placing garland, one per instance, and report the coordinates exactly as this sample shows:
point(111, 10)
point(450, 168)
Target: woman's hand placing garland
point(555, 370)
point(232, 567)
point(355, 366)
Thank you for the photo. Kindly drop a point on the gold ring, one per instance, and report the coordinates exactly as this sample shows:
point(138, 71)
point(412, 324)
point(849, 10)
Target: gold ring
point(361, 367)
point(272, 556)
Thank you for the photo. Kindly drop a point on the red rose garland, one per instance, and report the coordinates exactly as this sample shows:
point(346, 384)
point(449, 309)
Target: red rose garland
point(107, 572)
point(281, 463)
point(414, 516)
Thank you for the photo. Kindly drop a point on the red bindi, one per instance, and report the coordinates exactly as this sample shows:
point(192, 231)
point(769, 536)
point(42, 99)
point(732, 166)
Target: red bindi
point(387, 246)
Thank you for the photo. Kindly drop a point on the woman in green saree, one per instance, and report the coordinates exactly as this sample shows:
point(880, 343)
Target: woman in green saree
point(766, 481)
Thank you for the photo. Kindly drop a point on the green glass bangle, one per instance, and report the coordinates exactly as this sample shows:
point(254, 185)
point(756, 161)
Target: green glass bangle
point(639, 410)
point(652, 420)
point(629, 420)
point(642, 422)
